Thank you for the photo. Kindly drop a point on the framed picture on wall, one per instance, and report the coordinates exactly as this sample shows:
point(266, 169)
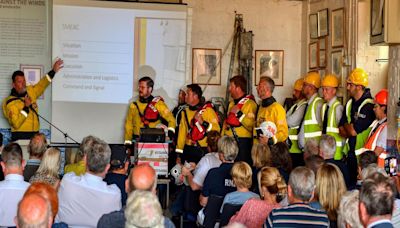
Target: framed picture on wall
point(337, 63)
point(206, 66)
point(33, 74)
point(322, 43)
point(270, 63)
point(313, 26)
point(323, 28)
point(313, 55)
point(338, 27)
point(322, 58)
point(377, 21)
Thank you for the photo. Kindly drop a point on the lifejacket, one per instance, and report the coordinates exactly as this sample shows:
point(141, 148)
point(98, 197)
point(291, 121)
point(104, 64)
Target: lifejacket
point(198, 131)
point(232, 120)
point(294, 131)
point(150, 113)
point(333, 129)
point(361, 138)
point(376, 130)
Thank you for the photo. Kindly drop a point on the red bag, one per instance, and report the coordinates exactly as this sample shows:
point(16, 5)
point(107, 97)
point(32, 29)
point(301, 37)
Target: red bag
point(231, 119)
point(150, 112)
point(198, 131)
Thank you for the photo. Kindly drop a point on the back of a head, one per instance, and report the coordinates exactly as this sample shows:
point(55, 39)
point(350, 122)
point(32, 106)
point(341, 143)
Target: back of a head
point(37, 145)
point(47, 192)
point(86, 144)
point(311, 147)
point(271, 179)
point(302, 183)
point(12, 155)
point(34, 211)
point(327, 146)
point(50, 162)
point(280, 157)
point(98, 156)
point(212, 140)
point(228, 147)
point(330, 187)
point(378, 194)
point(367, 158)
point(313, 162)
point(370, 170)
point(143, 177)
point(242, 174)
point(143, 210)
point(348, 210)
point(261, 155)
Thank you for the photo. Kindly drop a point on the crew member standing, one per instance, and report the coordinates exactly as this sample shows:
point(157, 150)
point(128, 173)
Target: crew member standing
point(147, 112)
point(20, 107)
point(241, 117)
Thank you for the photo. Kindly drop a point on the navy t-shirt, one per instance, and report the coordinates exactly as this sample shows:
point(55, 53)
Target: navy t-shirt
point(219, 181)
point(119, 180)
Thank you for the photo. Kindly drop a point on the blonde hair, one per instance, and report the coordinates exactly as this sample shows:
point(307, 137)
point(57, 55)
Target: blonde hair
point(261, 155)
point(330, 188)
point(50, 163)
point(242, 174)
point(270, 179)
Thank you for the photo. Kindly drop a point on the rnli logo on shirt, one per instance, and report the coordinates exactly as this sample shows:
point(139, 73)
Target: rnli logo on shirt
point(229, 183)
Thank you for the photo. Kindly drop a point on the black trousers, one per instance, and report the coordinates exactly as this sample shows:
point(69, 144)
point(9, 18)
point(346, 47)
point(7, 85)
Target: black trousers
point(245, 145)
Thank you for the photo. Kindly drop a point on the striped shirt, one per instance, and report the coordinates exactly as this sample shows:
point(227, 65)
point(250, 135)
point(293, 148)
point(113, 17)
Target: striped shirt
point(297, 215)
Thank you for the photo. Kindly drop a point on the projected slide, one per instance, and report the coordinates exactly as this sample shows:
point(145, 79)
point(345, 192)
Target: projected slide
point(106, 47)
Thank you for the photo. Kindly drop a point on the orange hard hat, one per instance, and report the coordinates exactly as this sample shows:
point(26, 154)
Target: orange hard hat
point(358, 77)
point(330, 80)
point(381, 97)
point(298, 85)
point(313, 78)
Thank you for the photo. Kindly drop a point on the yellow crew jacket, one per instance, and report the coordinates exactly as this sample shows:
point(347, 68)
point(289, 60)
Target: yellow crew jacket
point(247, 120)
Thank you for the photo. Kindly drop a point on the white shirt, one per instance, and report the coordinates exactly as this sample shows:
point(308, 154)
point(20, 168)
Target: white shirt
point(84, 199)
point(209, 161)
point(12, 189)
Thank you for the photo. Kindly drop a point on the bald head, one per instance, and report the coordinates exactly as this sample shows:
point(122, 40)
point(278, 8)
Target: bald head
point(34, 210)
point(142, 177)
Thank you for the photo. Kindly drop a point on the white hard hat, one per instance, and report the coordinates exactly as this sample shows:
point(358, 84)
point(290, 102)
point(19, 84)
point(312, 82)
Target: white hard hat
point(268, 128)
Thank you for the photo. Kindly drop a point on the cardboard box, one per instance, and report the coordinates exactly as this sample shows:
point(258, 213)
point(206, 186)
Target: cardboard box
point(154, 154)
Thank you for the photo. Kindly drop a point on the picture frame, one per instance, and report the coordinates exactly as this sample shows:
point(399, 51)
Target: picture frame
point(322, 58)
point(33, 74)
point(338, 28)
point(313, 26)
point(337, 63)
point(313, 57)
point(269, 63)
point(206, 66)
point(323, 25)
point(377, 21)
point(322, 43)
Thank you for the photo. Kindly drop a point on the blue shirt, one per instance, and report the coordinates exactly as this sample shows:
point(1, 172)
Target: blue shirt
point(219, 181)
point(119, 180)
point(238, 198)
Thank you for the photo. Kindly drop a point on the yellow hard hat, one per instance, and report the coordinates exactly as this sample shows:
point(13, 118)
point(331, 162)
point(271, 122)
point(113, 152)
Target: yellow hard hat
point(298, 85)
point(313, 78)
point(358, 77)
point(330, 80)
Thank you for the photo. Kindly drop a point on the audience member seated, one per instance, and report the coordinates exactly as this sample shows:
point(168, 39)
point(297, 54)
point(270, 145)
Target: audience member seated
point(281, 159)
point(13, 186)
point(364, 160)
point(37, 146)
point(142, 177)
point(261, 156)
point(300, 192)
point(241, 175)
point(49, 168)
point(50, 195)
point(209, 161)
point(313, 162)
point(348, 210)
point(377, 197)
point(34, 211)
point(255, 211)
point(143, 210)
point(327, 150)
point(372, 169)
point(84, 199)
point(311, 147)
point(329, 189)
point(79, 167)
point(119, 165)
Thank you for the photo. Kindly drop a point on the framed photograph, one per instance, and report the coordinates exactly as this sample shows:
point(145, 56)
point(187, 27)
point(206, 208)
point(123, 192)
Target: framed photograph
point(270, 63)
point(313, 26)
point(337, 63)
point(322, 43)
point(33, 74)
point(313, 55)
point(322, 58)
point(338, 27)
point(377, 21)
point(323, 28)
point(206, 66)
